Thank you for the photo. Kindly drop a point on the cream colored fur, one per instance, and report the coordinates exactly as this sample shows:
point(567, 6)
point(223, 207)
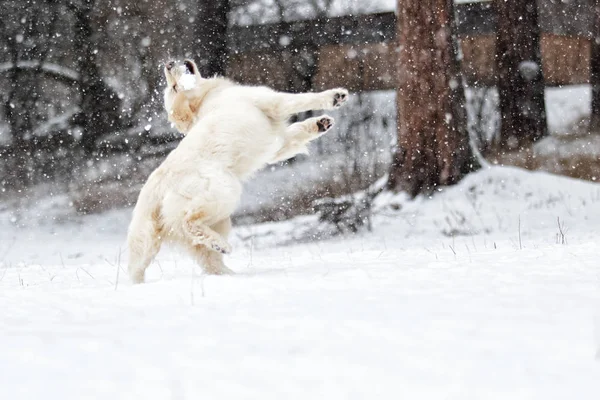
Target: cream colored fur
point(231, 131)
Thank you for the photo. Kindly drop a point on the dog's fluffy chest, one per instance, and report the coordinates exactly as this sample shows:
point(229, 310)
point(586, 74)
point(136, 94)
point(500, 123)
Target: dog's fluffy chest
point(236, 134)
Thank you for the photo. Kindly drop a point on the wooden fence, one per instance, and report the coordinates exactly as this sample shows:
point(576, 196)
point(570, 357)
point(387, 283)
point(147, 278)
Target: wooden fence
point(359, 52)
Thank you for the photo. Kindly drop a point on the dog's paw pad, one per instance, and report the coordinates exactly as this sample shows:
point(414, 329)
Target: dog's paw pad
point(324, 124)
point(340, 96)
point(222, 248)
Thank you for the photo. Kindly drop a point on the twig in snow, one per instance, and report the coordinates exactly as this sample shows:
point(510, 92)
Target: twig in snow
point(193, 277)
point(62, 262)
point(452, 248)
point(8, 248)
point(192, 286)
point(4, 272)
point(50, 276)
point(560, 236)
point(84, 270)
point(251, 251)
point(118, 269)
point(520, 243)
point(162, 273)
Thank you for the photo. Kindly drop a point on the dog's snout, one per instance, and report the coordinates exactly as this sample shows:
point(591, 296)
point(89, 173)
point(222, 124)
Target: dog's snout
point(170, 64)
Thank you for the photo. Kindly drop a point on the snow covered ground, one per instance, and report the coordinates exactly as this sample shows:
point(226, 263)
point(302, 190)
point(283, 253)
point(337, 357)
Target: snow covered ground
point(474, 294)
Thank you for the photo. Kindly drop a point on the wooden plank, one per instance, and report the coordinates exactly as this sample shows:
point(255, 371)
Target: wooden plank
point(371, 66)
point(373, 28)
point(565, 59)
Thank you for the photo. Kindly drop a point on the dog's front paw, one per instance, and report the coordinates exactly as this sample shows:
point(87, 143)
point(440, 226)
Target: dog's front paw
point(338, 97)
point(324, 123)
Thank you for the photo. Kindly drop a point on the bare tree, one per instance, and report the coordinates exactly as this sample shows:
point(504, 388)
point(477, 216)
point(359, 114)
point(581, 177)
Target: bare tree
point(28, 37)
point(99, 104)
point(141, 25)
point(433, 143)
point(520, 77)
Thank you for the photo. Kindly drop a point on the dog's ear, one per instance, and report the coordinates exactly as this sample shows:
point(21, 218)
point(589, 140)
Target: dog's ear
point(191, 67)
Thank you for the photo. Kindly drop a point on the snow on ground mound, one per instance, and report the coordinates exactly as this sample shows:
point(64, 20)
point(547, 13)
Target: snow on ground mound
point(495, 203)
point(440, 301)
point(499, 200)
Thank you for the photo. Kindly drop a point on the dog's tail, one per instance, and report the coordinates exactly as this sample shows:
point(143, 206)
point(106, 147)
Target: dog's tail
point(143, 239)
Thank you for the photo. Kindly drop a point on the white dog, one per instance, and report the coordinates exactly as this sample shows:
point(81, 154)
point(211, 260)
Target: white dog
point(231, 132)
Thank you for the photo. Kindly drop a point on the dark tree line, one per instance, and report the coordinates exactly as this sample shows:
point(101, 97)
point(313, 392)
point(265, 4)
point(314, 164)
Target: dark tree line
point(80, 78)
point(31, 80)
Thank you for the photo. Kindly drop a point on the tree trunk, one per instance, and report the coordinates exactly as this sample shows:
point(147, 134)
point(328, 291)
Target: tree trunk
point(99, 104)
point(211, 36)
point(519, 74)
point(18, 157)
point(21, 106)
point(595, 69)
point(433, 142)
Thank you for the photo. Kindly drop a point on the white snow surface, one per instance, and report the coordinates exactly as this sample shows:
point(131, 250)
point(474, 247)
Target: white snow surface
point(468, 295)
point(567, 105)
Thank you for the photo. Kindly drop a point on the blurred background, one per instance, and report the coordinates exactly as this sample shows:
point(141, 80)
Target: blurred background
point(82, 123)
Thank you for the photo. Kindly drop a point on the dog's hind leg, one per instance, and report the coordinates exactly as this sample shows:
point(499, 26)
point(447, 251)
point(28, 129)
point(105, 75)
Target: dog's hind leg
point(144, 242)
point(201, 234)
point(298, 135)
point(285, 105)
point(212, 261)
point(214, 198)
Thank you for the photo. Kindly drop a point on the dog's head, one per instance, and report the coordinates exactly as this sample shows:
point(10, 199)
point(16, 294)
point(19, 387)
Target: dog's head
point(181, 76)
